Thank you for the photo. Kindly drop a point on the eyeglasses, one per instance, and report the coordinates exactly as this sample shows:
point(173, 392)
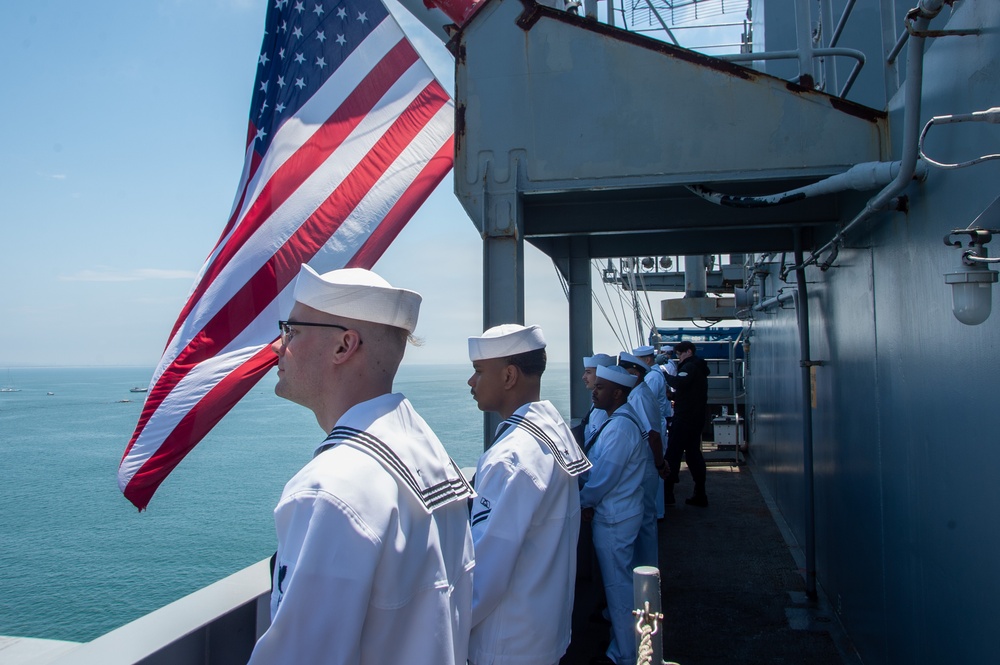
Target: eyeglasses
point(287, 333)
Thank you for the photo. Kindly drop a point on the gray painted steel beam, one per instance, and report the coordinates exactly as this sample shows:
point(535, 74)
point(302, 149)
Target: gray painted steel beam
point(684, 242)
point(503, 273)
point(581, 333)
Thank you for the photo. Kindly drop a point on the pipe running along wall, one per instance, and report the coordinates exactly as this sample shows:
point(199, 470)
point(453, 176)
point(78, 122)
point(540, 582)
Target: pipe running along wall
point(799, 296)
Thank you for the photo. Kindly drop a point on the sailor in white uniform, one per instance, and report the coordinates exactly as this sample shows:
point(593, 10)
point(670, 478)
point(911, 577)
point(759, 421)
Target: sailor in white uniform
point(657, 383)
point(654, 379)
point(641, 399)
point(612, 498)
point(526, 517)
point(374, 561)
point(669, 366)
point(595, 417)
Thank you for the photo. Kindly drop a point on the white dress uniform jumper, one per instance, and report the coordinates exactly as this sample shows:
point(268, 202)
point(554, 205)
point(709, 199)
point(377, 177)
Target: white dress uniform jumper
point(374, 561)
point(614, 491)
point(654, 379)
point(525, 526)
point(642, 400)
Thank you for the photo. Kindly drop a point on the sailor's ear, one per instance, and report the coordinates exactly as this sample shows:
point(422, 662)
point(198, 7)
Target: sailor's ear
point(346, 346)
point(510, 376)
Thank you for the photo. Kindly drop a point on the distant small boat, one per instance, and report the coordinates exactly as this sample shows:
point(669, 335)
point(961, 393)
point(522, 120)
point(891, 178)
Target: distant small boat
point(9, 388)
point(50, 393)
point(137, 389)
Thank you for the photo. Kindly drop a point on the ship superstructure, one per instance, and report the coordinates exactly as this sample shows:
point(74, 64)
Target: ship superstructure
point(849, 161)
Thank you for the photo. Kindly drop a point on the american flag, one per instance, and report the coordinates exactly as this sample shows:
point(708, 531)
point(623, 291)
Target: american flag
point(348, 135)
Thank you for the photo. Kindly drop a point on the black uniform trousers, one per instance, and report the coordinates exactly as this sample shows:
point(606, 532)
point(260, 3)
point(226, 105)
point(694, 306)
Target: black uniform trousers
point(685, 439)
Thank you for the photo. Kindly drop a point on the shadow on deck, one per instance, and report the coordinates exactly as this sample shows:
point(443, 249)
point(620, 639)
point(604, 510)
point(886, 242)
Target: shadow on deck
point(732, 590)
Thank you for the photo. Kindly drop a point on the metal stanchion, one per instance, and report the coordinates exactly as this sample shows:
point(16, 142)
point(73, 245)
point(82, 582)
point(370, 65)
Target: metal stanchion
point(646, 601)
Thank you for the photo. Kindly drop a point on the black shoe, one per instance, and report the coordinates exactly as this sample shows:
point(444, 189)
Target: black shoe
point(698, 500)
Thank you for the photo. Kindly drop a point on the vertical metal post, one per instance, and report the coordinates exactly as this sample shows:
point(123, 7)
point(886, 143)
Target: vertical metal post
point(831, 84)
point(503, 272)
point(735, 377)
point(695, 277)
point(636, 309)
point(646, 588)
point(581, 332)
point(803, 37)
point(802, 310)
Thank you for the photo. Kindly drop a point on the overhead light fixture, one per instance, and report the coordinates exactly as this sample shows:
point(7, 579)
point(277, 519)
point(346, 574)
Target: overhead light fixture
point(972, 283)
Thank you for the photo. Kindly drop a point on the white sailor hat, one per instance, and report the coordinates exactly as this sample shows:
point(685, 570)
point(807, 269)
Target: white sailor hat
point(598, 360)
point(509, 339)
point(666, 349)
point(359, 294)
point(617, 375)
point(643, 351)
point(628, 358)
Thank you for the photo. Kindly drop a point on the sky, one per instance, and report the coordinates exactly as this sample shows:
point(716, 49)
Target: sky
point(123, 125)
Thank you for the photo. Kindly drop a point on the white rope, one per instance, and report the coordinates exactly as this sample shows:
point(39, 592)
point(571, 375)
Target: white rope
point(647, 626)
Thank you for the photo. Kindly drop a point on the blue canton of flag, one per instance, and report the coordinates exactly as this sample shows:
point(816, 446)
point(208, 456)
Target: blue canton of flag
point(304, 43)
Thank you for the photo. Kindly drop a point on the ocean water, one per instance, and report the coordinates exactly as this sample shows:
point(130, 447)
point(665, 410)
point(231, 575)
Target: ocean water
point(79, 560)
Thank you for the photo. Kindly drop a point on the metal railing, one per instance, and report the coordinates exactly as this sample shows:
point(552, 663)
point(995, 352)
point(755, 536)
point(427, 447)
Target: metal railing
point(216, 625)
point(663, 18)
point(857, 55)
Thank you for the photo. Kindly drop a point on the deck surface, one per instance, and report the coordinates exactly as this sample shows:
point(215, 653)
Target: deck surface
point(732, 590)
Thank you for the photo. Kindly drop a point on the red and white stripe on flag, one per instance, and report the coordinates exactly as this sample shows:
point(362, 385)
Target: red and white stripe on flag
point(339, 179)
